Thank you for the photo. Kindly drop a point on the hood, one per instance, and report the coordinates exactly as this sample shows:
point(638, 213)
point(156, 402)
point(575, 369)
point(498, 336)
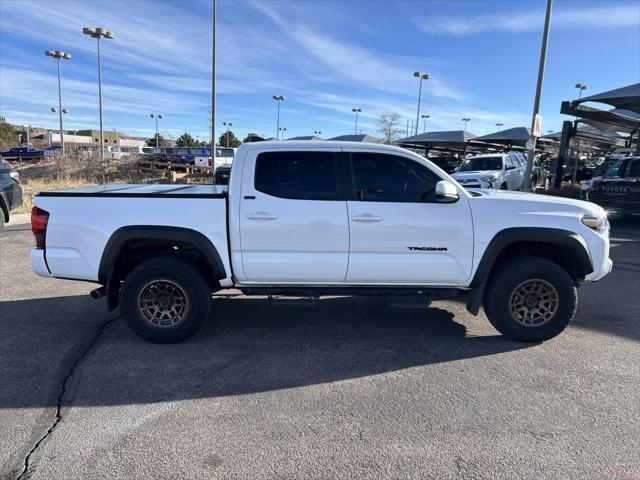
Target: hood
point(474, 174)
point(524, 202)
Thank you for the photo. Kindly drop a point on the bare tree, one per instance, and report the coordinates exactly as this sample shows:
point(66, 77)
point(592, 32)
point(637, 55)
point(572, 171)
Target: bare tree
point(389, 125)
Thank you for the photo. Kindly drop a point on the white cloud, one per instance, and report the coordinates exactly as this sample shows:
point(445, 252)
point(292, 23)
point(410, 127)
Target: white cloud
point(579, 16)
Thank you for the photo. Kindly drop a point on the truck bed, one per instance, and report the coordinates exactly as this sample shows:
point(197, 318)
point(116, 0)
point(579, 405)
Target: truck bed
point(142, 191)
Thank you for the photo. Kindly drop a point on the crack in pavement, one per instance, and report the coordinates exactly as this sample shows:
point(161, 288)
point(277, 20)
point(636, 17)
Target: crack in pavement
point(69, 364)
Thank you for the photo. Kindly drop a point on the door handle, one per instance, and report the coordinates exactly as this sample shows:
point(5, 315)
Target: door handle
point(366, 218)
point(261, 216)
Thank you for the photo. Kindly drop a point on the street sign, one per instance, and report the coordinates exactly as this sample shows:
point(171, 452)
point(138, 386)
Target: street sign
point(537, 126)
point(530, 144)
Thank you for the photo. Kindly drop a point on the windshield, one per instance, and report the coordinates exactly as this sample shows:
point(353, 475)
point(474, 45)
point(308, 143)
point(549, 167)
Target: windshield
point(481, 163)
point(224, 152)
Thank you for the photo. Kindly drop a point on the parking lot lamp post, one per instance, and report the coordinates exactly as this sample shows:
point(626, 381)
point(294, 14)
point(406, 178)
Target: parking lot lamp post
point(424, 122)
point(317, 132)
point(99, 33)
point(59, 55)
point(61, 111)
point(278, 98)
point(282, 129)
point(227, 124)
point(499, 125)
point(421, 76)
point(580, 87)
point(156, 116)
point(356, 111)
point(465, 120)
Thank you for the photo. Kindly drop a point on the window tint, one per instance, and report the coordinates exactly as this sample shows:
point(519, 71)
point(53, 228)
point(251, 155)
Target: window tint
point(297, 175)
point(633, 170)
point(196, 151)
point(481, 163)
point(388, 178)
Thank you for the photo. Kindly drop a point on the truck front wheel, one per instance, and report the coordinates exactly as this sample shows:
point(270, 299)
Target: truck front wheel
point(165, 300)
point(530, 299)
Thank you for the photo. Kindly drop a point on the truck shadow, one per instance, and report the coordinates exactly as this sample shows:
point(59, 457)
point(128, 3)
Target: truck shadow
point(246, 346)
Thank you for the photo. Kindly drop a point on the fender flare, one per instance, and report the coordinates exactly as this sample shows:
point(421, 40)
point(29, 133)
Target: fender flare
point(158, 234)
point(569, 240)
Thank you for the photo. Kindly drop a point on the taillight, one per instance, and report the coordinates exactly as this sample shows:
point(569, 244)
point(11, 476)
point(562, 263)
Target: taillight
point(15, 176)
point(39, 220)
point(209, 161)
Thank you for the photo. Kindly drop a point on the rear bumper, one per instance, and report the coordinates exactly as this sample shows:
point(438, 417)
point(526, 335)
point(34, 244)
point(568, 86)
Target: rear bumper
point(38, 263)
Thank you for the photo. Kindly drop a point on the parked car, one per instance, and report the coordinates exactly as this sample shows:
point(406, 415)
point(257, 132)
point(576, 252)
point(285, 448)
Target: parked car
point(539, 174)
point(308, 218)
point(222, 175)
point(502, 171)
point(10, 191)
point(617, 190)
point(23, 153)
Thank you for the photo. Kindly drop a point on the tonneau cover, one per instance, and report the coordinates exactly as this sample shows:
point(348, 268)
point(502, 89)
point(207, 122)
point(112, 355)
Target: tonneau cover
point(133, 190)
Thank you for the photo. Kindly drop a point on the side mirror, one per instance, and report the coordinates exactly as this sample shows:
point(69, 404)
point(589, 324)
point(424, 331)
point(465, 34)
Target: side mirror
point(446, 192)
point(511, 168)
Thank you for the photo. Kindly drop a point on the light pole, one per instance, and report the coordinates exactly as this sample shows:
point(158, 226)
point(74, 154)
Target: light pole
point(156, 116)
point(61, 111)
point(580, 87)
point(421, 76)
point(227, 124)
point(317, 132)
point(424, 122)
point(536, 102)
point(499, 124)
point(282, 129)
point(98, 33)
point(465, 120)
point(356, 111)
point(58, 55)
point(278, 98)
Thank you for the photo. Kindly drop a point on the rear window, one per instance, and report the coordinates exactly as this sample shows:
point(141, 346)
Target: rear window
point(297, 175)
point(4, 165)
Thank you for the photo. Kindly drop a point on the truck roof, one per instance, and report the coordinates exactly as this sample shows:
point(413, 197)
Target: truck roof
point(315, 144)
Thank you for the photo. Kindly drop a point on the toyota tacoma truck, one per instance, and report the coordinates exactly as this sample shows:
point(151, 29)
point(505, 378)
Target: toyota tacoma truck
point(305, 219)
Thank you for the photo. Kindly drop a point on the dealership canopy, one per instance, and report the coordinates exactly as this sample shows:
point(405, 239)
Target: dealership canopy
point(511, 137)
point(627, 98)
point(448, 140)
point(356, 138)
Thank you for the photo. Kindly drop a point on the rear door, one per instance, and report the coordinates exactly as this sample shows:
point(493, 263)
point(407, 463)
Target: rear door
point(293, 225)
point(399, 234)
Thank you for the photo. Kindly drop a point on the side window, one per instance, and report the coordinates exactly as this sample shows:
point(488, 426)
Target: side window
point(633, 170)
point(509, 162)
point(388, 178)
point(297, 175)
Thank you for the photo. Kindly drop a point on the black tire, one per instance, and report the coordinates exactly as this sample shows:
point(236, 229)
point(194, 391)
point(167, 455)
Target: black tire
point(503, 186)
point(1, 219)
point(502, 296)
point(165, 300)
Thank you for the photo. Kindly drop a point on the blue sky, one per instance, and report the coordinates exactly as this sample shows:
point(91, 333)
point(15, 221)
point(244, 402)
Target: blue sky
point(325, 57)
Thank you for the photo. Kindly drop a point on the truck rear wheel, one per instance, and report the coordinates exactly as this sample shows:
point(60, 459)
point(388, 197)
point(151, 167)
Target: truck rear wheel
point(165, 300)
point(530, 299)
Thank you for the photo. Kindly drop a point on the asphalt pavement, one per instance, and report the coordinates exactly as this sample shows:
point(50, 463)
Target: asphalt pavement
point(347, 389)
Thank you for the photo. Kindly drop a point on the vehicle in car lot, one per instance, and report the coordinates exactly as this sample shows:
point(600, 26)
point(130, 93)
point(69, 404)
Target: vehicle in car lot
point(23, 153)
point(504, 171)
point(222, 175)
point(539, 174)
point(617, 190)
point(10, 191)
point(306, 218)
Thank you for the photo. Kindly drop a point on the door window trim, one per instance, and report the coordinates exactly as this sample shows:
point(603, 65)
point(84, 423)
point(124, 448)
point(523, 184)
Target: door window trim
point(407, 158)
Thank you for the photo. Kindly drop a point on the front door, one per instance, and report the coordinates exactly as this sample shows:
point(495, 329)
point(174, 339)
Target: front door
point(293, 228)
point(399, 234)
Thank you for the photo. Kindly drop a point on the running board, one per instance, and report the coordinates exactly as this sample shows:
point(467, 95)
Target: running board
point(279, 300)
point(409, 302)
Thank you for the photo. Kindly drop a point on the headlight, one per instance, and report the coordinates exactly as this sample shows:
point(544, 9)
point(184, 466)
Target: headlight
point(586, 185)
point(598, 223)
point(489, 178)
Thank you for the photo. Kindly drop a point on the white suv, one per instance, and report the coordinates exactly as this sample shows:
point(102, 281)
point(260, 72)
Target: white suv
point(504, 171)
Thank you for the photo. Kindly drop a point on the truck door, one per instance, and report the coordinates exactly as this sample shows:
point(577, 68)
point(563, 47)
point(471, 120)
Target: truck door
point(293, 227)
point(399, 234)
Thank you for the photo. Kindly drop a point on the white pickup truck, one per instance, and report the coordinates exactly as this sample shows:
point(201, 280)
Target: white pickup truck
point(310, 219)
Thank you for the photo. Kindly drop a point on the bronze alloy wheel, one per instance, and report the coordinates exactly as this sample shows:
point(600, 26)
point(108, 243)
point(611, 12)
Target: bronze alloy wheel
point(534, 302)
point(163, 303)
